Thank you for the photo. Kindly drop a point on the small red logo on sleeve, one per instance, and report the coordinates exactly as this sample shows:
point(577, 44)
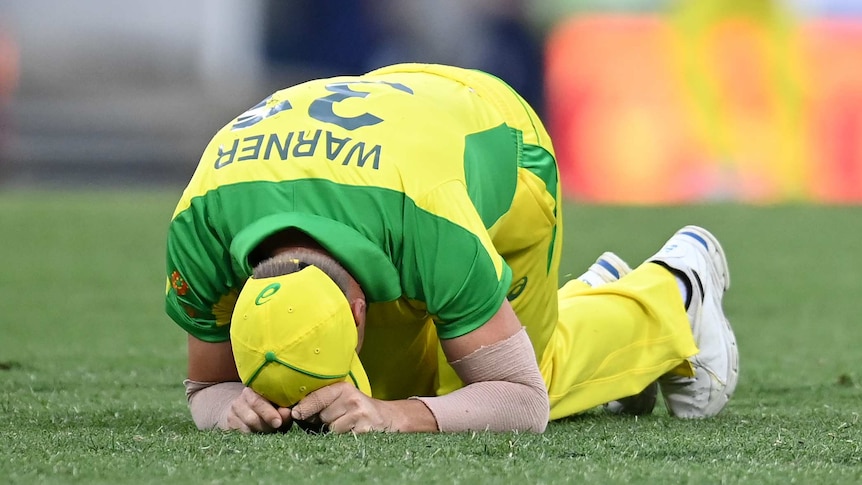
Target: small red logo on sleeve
point(179, 284)
point(189, 310)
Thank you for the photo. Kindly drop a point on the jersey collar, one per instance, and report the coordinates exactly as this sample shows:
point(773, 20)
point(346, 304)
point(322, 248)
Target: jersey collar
point(366, 262)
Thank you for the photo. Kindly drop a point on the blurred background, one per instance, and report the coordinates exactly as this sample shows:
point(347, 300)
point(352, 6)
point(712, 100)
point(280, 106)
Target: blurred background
point(648, 102)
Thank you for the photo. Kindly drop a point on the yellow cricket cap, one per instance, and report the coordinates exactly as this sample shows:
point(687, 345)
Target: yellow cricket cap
point(293, 334)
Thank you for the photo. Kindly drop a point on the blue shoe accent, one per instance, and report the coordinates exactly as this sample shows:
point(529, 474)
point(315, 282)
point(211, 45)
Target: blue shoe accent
point(608, 266)
point(697, 238)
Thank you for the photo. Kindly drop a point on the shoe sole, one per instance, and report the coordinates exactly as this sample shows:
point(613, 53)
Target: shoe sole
point(719, 260)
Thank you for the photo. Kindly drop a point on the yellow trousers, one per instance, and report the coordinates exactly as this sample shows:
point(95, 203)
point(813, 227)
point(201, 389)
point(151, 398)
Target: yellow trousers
point(614, 340)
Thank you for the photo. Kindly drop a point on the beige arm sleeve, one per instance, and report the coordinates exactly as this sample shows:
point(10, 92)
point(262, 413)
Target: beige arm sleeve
point(504, 391)
point(209, 402)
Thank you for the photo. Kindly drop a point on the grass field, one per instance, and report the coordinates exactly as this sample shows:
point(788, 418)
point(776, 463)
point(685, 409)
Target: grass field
point(91, 367)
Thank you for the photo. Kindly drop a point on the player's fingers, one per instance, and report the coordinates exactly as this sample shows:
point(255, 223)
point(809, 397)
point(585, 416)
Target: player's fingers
point(353, 423)
point(263, 409)
point(243, 418)
point(234, 422)
point(317, 401)
point(255, 423)
point(344, 424)
point(351, 402)
point(286, 419)
point(285, 415)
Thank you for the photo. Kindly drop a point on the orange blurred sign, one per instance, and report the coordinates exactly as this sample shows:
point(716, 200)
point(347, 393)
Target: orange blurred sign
point(641, 113)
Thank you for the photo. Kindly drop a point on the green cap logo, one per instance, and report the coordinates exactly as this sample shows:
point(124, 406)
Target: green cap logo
point(266, 293)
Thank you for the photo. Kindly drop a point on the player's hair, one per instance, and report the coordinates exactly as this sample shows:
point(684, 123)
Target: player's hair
point(293, 260)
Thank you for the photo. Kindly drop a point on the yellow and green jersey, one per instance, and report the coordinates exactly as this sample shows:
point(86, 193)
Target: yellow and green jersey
point(401, 174)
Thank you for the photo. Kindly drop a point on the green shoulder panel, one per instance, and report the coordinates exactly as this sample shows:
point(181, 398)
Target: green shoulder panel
point(491, 171)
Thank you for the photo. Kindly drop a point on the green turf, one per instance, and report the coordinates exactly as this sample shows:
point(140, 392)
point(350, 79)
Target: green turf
point(91, 367)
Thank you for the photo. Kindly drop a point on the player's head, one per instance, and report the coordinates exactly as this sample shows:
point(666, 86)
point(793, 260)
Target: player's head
point(294, 329)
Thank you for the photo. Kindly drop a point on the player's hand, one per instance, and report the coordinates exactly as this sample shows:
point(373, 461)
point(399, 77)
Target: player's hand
point(252, 413)
point(344, 409)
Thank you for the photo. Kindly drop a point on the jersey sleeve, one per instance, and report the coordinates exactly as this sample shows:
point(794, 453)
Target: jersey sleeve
point(463, 279)
point(201, 285)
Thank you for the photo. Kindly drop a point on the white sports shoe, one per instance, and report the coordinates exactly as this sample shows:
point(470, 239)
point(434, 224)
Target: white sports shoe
point(609, 268)
point(696, 253)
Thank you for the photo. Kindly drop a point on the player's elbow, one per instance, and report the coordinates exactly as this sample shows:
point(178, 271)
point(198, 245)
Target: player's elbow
point(537, 411)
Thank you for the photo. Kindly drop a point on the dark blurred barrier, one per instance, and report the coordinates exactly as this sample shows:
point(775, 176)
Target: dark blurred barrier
point(664, 109)
point(323, 38)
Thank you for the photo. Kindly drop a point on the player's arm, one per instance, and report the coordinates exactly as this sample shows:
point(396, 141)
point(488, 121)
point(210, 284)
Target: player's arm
point(504, 391)
point(217, 399)
point(195, 282)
